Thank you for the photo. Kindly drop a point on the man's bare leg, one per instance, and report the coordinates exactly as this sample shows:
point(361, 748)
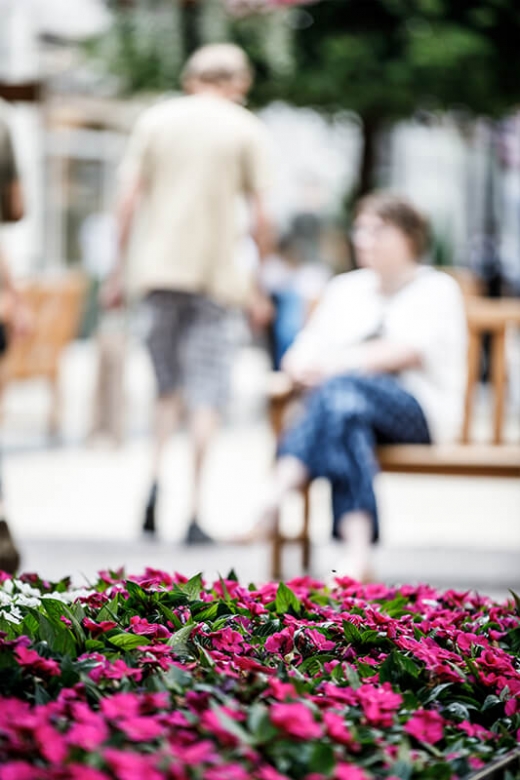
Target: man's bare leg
point(204, 423)
point(166, 416)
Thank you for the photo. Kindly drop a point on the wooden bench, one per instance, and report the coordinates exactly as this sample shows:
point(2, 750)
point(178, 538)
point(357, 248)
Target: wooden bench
point(56, 306)
point(465, 458)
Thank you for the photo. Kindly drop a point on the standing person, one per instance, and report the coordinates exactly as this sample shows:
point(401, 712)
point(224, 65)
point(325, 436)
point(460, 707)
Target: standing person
point(384, 361)
point(14, 319)
point(191, 163)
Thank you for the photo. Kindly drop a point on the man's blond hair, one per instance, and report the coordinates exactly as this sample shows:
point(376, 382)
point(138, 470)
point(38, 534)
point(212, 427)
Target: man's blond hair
point(218, 63)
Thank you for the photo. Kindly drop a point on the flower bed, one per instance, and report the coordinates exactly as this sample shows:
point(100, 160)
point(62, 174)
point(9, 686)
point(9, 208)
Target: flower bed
point(156, 677)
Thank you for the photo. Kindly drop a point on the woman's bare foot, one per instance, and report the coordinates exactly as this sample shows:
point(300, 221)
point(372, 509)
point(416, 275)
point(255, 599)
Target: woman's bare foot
point(262, 531)
point(357, 568)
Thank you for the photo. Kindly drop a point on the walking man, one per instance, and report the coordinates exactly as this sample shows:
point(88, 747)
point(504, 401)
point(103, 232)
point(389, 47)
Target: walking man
point(192, 163)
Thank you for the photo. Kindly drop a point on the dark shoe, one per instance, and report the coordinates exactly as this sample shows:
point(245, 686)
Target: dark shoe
point(195, 535)
point(9, 555)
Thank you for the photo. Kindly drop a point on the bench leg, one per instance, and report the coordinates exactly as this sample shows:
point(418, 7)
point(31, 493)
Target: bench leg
point(305, 538)
point(276, 555)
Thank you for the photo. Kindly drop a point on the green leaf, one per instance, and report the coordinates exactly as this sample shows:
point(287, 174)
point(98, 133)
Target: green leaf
point(168, 614)
point(259, 724)
point(59, 638)
point(352, 632)
point(516, 599)
point(513, 639)
point(125, 641)
point(322, 758)
point(435, 693)
point(232, 726)
point(205, 612)
point(179, 640)
point(109, 611)
point(232, 577)
point(458, 710)
point(398, 668)
point(286, 600)
point(176, 679)
point(56, 610)
point(490, 701)
point(193, 587)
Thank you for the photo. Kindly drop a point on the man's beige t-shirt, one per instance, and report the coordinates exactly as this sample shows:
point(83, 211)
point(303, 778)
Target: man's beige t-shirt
point(197, 157)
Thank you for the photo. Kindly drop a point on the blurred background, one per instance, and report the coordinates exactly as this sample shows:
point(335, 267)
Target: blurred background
point(419, 96)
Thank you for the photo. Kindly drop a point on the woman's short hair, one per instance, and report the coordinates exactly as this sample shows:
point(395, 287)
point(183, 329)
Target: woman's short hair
point(399, 211)
point(218, 63)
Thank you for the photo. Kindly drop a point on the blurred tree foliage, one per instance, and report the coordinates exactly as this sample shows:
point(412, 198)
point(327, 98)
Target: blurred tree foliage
point(384, 59)
point(150, 39)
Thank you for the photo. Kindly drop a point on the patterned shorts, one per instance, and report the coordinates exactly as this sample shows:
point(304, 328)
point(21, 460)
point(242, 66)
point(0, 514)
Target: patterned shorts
point(192, 347)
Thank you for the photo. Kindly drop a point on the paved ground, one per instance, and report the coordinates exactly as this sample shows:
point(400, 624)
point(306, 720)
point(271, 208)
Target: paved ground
point(76, 510)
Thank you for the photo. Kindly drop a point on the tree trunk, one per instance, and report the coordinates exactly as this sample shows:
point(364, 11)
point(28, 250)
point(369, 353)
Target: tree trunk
point(367, 170)
point(190, 22)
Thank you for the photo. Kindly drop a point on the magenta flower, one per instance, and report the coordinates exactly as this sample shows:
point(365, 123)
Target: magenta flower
point(227, 640)
point(128, 765)
point(349, 772)
point(296, 720)
point(426, 726)
point(88, 736)
point(338, 731)
point(52, 744)
point(98, 628)
point(319, 640)
point(120, 705)
point(83, 772)
point(19, 770)
point(35, 663)
point(144, 628)
point(227, 772)
point(282, 642)
point(141, 729)
point(379, 703)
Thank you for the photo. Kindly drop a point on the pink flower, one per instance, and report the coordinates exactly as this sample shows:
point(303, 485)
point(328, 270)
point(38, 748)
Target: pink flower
point(281, 642)
point(338, 731)
point(34, 662)
point(296, 720)
point(426, 726)
point(82, 772)
point(280, 690)
point(88, 736)
point(128, 765)
point(196, 754)
point(474, 730)
point(379, 703)
point(120, 705)
point(53, 746)
point(19, 770)
point(269, 773)
point(321, 642)
point(227, 772)
point(144, 628)
point(141, 729)
point(228, 640)
point(349, 772)
point(98, 628)
point(211, 722)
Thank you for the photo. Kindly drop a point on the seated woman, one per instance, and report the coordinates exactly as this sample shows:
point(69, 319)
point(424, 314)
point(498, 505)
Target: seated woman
point(384, 361)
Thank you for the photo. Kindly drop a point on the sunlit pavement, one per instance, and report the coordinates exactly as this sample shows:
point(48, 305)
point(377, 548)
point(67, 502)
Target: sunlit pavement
point(75, 510)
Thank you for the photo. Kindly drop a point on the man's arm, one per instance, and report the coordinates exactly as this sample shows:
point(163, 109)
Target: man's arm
point(112, 292)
